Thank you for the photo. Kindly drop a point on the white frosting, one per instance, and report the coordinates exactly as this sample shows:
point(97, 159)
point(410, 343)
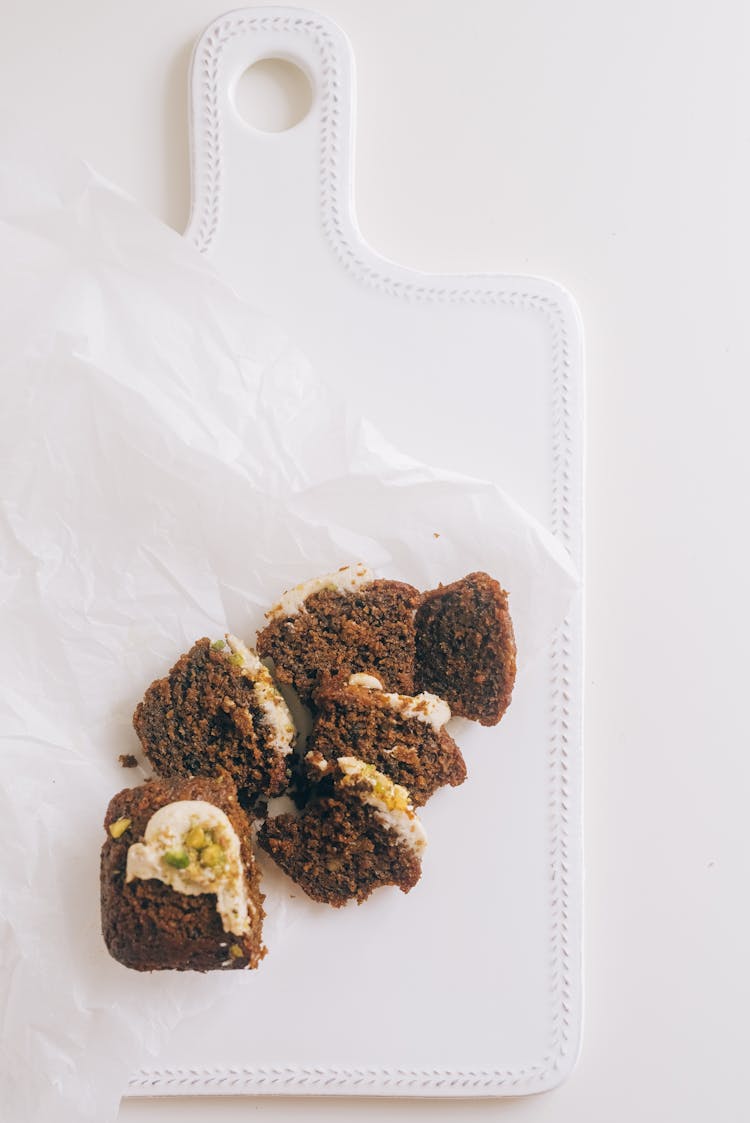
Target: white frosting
point(369, 682)
point(316, 760)
point(424, 707)
point(273, 707)
point(165, 832)
point(393, 807)
point(344, 580)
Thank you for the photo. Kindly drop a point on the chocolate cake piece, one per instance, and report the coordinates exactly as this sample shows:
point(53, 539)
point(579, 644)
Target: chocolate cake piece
point(218, 710)
point(179, 885)
point(340, 623)
point(362, 835)
point(401, 734)
point(465, 648)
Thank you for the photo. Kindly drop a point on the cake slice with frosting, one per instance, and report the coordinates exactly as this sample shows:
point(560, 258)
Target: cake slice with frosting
point(403, 735)
point(218, 710)
point(363, 834)
point(179, 885)
point(340, 623)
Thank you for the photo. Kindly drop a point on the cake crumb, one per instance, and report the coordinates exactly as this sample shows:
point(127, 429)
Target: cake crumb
point(127, 760)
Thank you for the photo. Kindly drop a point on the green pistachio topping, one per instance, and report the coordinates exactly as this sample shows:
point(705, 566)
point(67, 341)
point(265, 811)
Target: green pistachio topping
point(177, 858)
point(212, 855)
point(119, 827)
point(218, 644)
point(394, 796)
point(196, 837)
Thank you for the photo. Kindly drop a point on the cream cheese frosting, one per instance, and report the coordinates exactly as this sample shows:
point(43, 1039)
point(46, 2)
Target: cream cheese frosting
point(391, 802)
point(275, 711)
point(369, 682)
point(166, 855)
point(425, 707)
point(344, 580)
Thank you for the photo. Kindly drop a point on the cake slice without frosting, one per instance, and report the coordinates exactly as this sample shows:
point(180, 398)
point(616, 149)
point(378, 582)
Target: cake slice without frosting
point(465, 647)
point(363, 835)
point(402, 735)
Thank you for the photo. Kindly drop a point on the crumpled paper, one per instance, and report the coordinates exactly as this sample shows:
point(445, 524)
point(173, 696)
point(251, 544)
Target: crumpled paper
point(170, 464)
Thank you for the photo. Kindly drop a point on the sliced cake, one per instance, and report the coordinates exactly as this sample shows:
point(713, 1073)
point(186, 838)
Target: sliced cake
point(341, 623)
point(218, 710)
point(362, 835)
point(465, 647)
point(402, 735)
point(179, 886)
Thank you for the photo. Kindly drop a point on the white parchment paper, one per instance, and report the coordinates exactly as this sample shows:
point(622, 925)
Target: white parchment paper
point(169, 464)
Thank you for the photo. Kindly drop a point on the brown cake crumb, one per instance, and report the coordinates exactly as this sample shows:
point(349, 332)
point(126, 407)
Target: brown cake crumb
point(356, 720)
point(149, 926)
point(370, 628)
point(127, 760)
point(204, 718)
point(339, 849)
point(465, 648)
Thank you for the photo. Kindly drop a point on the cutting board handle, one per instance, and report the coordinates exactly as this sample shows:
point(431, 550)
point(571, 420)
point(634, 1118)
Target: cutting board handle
point(299, 166)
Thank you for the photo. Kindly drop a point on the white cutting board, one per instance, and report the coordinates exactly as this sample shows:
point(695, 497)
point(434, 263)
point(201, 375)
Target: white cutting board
point(482, 374)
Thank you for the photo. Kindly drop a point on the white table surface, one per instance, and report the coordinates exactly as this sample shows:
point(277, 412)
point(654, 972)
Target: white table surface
point(607, 146)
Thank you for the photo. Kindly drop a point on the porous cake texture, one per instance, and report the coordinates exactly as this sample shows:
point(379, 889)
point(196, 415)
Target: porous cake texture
point(465, 647)
point(218, 710)
point(339, 624)
point(402, 735)
point(363, 835)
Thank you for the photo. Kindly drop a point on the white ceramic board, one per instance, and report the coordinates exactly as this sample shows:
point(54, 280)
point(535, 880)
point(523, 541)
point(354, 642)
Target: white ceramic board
point(471, 984)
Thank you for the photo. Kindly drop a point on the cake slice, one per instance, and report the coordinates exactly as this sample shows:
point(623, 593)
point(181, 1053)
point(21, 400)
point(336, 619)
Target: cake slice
point(218, 710)
point(465, 647)
point(341, 623)
point(179, 885)
point(402, 735)
point(362, 835)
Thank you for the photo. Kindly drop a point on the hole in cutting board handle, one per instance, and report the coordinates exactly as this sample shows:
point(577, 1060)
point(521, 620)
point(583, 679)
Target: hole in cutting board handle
point(273, 95)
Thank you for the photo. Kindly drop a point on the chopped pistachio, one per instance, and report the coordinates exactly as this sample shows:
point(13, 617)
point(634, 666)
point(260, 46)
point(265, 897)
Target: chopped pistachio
point(196, 837)
point(236, 951)
point(177, 858)
point(218, 645)
point(212, 855)
point(237, 659)
point(119, 827)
